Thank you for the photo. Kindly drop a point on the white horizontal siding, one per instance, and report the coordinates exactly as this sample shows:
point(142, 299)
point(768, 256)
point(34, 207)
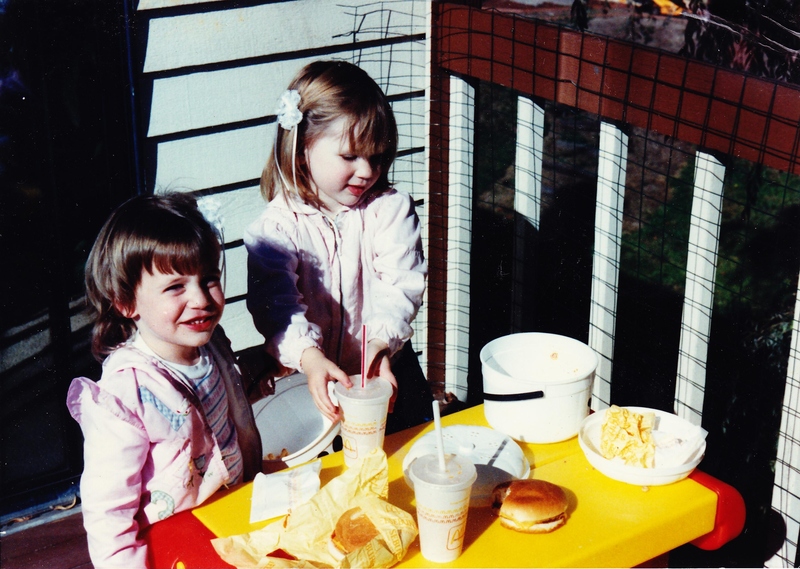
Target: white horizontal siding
point(230, 157)
point(237, 209)
point(217, 74)
point(410, 117)
point(283, 27)
point(409, 175)
point(236, 271)
point(238, 325)
point(213, 160)
point(153, 4)
point(201, 100)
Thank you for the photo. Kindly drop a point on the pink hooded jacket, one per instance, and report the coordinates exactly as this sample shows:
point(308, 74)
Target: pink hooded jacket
point(313, 279)
point(148, 450)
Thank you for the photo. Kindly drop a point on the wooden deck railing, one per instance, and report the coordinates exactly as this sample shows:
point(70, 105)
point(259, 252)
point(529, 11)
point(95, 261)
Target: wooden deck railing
point(724, 113)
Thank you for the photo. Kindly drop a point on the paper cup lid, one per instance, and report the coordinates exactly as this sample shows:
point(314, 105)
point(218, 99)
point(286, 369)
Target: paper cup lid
point(459, 471)
point(495, 455)
point(376, 388)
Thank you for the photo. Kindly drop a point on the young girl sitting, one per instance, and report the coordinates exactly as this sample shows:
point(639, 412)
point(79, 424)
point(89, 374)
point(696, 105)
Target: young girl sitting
point(168, 423)
point(337, 246)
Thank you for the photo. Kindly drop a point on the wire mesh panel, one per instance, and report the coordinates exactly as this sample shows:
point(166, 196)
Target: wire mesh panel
point(687, 222)
point(749, 344)
point(708, 260)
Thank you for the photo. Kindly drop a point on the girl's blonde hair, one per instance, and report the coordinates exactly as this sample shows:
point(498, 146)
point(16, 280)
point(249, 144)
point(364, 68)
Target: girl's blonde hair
point(164, 232)
point(330, 90)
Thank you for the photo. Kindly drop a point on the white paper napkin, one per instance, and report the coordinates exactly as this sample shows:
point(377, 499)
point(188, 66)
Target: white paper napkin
point(277, 493)
point(678, 447)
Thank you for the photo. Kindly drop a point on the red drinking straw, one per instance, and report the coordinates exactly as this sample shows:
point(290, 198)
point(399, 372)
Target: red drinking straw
point(363, 355)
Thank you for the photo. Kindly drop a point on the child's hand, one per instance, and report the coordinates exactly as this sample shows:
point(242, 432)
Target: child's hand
point(320, 370)
point(378, 364)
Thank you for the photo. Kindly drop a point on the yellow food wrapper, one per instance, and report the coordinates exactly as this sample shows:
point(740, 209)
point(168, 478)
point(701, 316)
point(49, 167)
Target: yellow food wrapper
point(305, 532)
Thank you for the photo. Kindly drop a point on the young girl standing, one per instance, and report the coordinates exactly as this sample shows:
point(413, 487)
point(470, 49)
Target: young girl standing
point(337, 247)
point(168, 423)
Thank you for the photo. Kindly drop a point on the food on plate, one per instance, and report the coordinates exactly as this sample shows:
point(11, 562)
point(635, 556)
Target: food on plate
point(284, 453)
point(354, 529)
point(628, 435)
point(530, 506)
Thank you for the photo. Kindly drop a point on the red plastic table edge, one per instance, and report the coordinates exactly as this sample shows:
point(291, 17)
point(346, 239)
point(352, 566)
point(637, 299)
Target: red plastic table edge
point(730, 516)
point(179, 541)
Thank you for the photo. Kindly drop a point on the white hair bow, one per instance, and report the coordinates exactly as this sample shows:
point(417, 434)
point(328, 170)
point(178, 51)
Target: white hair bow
point(289, 115)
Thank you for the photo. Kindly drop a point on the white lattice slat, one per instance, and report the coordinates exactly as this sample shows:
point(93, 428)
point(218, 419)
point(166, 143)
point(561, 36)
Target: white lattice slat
point(459, 236)
point(701, 268)
point(786, 488)
point(528, 164)
point(611, 168)
point(527, 194)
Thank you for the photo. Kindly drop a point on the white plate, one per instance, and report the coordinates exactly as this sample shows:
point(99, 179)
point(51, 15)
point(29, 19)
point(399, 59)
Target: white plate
point(496, 457)
point(589, 441)
point(290, 420)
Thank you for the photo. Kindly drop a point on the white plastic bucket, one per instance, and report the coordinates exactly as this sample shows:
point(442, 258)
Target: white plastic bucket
point(537, 385)
point(289, 420)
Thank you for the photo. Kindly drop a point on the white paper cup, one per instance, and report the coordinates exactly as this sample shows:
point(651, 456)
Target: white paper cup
point(363, 416)
point(442, 504)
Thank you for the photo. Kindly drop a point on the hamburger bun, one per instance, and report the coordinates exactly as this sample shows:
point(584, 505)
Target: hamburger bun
point(530, 506)
point(353, 530)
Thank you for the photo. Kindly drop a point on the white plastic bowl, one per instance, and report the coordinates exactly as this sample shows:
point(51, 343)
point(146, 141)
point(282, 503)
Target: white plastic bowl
point(496, 457)
point(289, 420)
point(537, 385)
point(589, 441)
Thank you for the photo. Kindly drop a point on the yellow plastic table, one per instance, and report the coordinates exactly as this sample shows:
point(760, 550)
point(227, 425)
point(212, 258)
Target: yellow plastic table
point(610, 524)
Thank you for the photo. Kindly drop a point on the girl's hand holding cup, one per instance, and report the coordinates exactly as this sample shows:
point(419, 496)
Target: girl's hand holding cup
point(379, 365)
point(320, 370)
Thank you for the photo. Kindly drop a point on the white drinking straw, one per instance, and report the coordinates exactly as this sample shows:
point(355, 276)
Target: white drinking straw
point(363, 355)
point(437, 425)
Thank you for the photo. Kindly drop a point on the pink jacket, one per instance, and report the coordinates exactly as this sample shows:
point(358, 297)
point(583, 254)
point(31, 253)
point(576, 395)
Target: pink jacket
point(148, 450)
point(313, 279)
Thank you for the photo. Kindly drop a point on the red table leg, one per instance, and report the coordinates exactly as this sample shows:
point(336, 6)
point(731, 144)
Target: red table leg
point(181, 541)
point(731, 513)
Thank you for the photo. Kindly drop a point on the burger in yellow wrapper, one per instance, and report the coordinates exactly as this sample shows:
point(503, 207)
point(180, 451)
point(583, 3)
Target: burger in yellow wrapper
point(309, 535)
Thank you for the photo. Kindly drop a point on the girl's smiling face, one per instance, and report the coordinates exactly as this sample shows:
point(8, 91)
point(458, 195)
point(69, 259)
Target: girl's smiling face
point(176, 314)
point(340, 176)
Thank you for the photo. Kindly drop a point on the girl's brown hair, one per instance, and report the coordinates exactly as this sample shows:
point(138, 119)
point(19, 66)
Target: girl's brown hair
point(149, 232)
point(330, 90)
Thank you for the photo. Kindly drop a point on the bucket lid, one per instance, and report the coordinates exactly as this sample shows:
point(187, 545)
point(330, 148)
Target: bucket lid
point(534, 361)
